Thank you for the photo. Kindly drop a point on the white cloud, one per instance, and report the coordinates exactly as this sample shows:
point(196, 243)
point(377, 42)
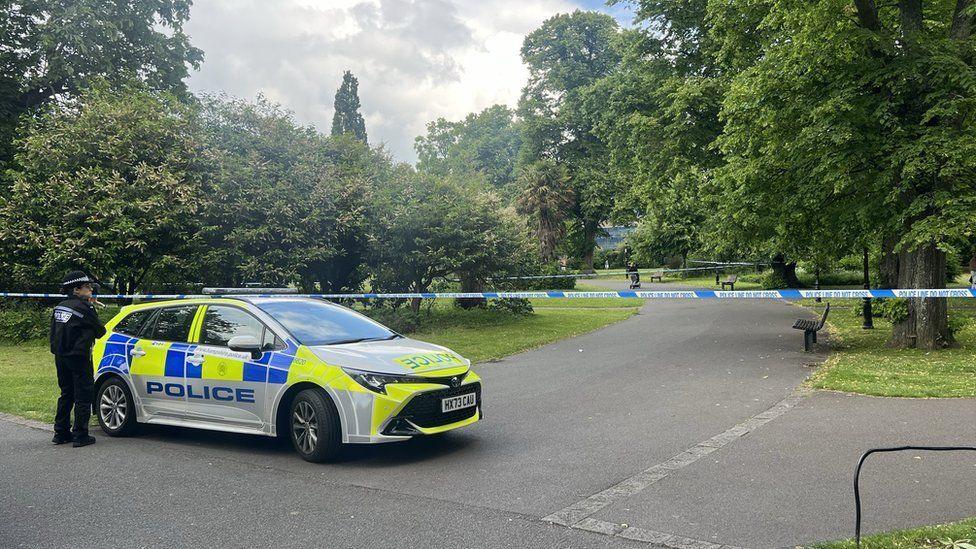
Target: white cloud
point(416, 60)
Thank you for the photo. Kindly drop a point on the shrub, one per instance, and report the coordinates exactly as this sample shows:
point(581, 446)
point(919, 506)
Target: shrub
point(20, 324)
point(515, 306)
point(957, 323)
point(771, 280)
point(31, 322)
point(893, 309)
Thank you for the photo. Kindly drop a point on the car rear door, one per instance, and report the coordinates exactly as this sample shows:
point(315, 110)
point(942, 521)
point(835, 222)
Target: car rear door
point(228, 388)
point(158, 361)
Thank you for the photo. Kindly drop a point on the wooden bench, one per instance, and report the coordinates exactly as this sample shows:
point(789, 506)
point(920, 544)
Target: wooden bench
point(730, 282)
point(810, 328)
point(659, 275)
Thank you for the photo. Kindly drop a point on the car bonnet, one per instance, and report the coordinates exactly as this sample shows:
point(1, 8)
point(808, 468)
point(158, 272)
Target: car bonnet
point(396, 356)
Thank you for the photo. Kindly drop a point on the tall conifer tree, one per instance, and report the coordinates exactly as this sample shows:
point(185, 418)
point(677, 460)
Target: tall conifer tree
point(347, 118)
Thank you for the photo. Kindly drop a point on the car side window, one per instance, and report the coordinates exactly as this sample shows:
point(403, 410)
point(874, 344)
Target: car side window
point(220, 324)
point(173, 323)
point(132, 324)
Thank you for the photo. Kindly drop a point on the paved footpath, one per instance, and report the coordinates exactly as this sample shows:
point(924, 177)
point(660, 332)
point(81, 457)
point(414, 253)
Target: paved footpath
point(682, 426)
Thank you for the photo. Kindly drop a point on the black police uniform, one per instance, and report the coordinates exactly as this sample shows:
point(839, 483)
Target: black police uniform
point(74, 328)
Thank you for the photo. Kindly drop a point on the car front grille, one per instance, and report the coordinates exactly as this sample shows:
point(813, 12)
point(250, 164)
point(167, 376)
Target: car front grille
point(424, 409)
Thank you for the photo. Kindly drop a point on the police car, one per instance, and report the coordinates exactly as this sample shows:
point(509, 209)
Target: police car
point(308, 369)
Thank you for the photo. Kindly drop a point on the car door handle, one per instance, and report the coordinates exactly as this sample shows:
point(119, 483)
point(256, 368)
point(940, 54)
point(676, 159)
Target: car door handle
point(137, 351)
point(196, 360)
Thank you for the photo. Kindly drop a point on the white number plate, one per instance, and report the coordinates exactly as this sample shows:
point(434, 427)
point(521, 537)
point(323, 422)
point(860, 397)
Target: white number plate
point(458, 402)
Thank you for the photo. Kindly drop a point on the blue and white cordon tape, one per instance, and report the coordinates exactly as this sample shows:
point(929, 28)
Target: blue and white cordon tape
point(559, 294)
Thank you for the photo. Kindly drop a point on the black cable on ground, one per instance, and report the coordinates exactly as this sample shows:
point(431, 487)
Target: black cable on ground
point(857, 475)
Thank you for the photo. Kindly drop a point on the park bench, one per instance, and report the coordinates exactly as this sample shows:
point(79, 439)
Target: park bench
point(730, 282)
point(810, 328)
point(659, 275)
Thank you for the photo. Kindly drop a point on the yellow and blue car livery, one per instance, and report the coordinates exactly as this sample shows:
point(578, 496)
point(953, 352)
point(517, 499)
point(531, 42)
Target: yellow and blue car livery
point(239, 364)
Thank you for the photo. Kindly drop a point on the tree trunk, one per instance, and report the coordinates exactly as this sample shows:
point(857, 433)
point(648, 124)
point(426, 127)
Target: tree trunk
point(471, 284)
point(927, 324)
point(786, 271)
point(889, 263)
point(589, 234)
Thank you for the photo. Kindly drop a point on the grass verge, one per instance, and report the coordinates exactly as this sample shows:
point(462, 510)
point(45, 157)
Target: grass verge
point(863, 363)
point(941, 536)
point(588, 303)
point(28, 382)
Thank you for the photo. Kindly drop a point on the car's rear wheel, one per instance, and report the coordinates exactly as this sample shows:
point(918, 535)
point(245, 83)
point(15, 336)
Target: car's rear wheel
point(115, 408)
point(314, 426)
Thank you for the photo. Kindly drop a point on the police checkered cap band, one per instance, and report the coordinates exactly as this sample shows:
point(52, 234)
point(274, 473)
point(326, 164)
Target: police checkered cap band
point(75, 280)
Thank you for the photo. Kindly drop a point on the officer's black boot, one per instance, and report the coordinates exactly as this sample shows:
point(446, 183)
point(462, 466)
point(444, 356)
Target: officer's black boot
point(83, 441)
point(61, 438)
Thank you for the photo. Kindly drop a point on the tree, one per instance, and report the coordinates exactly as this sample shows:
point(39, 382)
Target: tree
point(55, 48)
point(546, 199)
point(110, 183)
point(658, 112)
point(292, 205)
point(866, 110)
point(347, 119)
point(568, 53)
point(486, 143)
point(430, 227)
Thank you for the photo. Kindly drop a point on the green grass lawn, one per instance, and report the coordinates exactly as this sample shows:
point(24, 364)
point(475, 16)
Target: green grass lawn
point(28, 383)
point(486, 336)
point(939, 536)
point(588, 303)
point(861, 361)
point(706, 281)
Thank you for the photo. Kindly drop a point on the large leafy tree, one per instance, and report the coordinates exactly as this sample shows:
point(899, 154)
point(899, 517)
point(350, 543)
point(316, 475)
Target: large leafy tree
point(659, 115)
point(860, 116)
point(290, 206)
point(347, 118)
point(111, 183)
point(565, 56)
point(431, 227)
point(54, 48)
point(486, 143)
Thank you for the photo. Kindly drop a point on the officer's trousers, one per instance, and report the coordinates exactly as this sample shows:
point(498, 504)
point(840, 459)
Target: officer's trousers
point(77, 384)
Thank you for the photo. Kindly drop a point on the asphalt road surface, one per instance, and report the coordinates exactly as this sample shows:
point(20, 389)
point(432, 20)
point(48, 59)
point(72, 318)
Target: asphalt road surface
point(682, 426)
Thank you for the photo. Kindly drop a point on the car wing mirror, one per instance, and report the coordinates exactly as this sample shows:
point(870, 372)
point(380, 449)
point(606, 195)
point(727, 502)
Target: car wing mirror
point(246, 344)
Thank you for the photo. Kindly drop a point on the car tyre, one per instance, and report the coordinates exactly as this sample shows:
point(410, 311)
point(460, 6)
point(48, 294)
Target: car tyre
point(314, 426)
point(115, 408)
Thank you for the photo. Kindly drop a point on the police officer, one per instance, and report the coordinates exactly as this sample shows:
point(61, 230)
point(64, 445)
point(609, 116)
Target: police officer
point(74, 329)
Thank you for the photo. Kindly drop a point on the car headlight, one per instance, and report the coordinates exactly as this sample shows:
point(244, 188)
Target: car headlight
point(377, 382)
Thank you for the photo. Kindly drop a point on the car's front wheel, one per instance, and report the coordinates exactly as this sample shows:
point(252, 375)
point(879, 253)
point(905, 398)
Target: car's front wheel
point(115, 408)
point(314, 426)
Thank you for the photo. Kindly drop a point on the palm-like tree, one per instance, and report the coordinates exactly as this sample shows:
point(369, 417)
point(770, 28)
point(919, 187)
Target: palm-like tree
point(546, 198)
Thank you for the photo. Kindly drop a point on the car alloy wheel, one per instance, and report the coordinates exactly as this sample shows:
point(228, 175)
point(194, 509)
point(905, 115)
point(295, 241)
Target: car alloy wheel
point(113, 407)
point(306, 427)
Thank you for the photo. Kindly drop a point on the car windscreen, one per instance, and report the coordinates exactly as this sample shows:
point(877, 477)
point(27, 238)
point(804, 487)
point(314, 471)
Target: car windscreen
point(320, 323)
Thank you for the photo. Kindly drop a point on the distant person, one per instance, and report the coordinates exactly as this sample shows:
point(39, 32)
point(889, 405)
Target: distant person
point(633, 275)
point(972, 272)
point(74, 328)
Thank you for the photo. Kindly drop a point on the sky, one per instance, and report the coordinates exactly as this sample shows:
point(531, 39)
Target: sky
point(416, 60)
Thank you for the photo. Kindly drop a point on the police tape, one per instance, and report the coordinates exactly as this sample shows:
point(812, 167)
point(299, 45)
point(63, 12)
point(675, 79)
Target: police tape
point(561, 294)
